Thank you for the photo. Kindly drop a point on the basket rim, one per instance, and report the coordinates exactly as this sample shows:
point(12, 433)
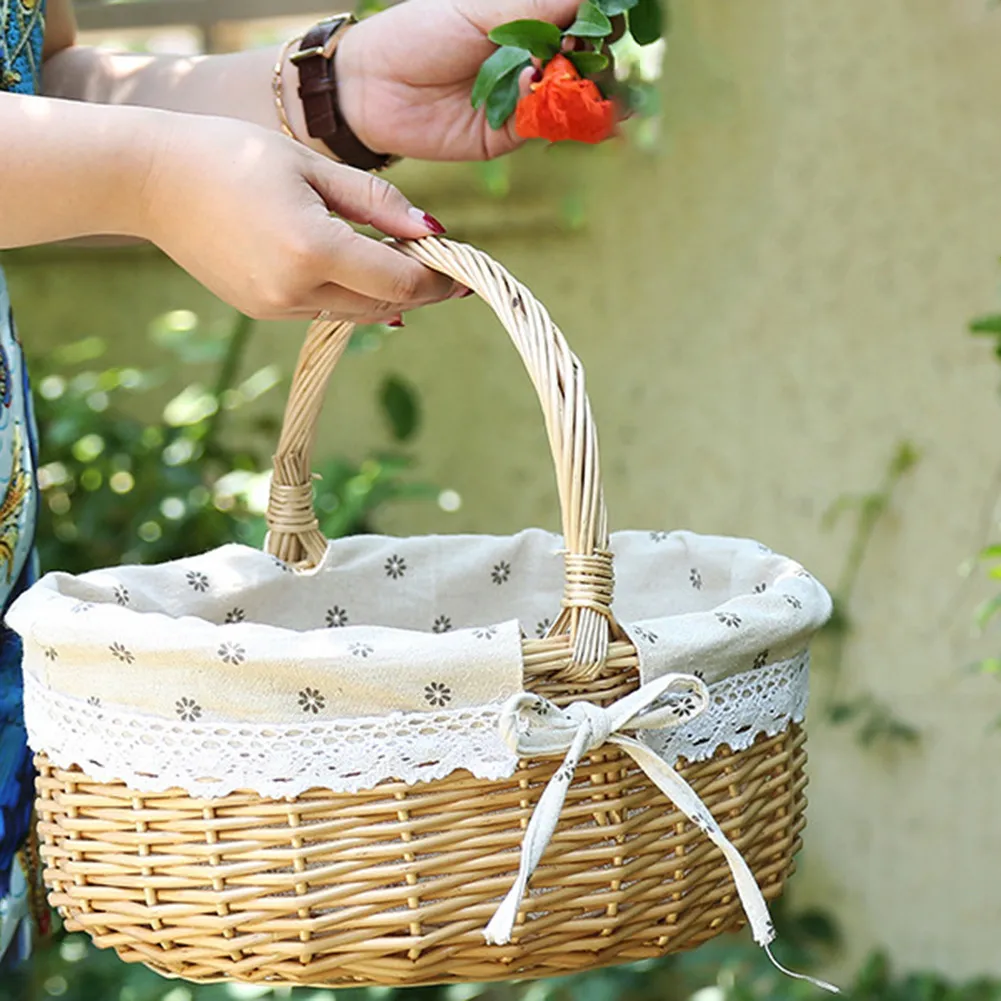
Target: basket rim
point(214, 757)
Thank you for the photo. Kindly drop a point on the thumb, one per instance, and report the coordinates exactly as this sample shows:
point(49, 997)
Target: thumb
point(370, 200)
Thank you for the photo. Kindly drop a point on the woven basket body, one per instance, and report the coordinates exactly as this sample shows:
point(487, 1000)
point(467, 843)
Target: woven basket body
point(393, 885)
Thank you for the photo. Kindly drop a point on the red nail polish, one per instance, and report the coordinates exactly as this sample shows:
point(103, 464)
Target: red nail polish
point(467, 294)
point(396, 321)
point(433, 224)
point(537, 75)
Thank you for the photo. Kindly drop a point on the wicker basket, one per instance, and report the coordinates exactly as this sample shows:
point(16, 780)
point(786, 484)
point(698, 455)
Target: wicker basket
point(394, 885)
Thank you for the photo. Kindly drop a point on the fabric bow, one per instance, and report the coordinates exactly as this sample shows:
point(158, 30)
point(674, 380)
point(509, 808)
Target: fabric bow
point(534, 727)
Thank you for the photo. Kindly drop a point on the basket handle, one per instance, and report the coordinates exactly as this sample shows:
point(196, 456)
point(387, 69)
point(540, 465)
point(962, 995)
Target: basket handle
point(558, 377)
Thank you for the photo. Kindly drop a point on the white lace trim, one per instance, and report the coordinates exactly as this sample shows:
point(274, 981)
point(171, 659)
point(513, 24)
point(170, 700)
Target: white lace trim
point(153, 754)
point(765, 700)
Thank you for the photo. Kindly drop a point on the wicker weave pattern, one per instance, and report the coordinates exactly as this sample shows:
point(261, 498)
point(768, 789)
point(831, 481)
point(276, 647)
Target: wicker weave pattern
point(394, 886)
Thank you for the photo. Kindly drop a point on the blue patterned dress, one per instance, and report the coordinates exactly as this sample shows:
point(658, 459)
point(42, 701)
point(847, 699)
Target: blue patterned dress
point(21, 29)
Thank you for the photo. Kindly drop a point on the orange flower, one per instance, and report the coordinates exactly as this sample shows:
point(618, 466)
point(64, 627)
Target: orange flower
point(564, 106)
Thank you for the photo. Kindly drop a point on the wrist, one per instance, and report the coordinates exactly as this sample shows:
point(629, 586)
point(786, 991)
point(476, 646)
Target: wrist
point(291, 106)
point(151, 201)
point(349, 66)
point(184, 154)
point(114, 149)
point(314, 63)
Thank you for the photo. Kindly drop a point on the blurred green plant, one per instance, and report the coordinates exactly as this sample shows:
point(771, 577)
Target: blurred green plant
point(989, 325)
point(730, 968)
point(73, 969)
point(117, 487)
point(751, 978)
point(872, 719)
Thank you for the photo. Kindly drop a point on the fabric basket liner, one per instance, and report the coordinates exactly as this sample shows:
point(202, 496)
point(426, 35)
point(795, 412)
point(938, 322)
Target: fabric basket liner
point(389, 660)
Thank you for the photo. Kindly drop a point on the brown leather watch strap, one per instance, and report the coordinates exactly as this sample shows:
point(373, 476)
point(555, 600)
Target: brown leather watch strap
point(318, 92)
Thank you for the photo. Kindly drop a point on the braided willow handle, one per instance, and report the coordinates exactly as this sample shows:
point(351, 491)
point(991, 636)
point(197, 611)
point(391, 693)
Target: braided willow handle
point(558, 378)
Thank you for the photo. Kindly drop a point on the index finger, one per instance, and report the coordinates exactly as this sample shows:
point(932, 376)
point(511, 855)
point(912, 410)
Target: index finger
point(381, 272)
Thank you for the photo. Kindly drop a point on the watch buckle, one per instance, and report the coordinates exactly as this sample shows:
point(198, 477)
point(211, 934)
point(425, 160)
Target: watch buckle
point(339, 22)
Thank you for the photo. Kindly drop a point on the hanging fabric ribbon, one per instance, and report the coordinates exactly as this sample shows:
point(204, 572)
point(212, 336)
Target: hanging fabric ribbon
point(534, 727)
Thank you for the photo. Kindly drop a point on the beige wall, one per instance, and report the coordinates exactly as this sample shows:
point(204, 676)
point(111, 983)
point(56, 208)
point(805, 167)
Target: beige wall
point(766, 309)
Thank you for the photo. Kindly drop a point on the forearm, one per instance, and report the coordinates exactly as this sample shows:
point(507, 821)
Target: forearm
point(236, 85)
point(71, 169)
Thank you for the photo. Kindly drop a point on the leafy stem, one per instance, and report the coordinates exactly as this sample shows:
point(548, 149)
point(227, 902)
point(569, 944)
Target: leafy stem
point(521, 41)
point(874, 719)
point(236, 346)
point(871, 508)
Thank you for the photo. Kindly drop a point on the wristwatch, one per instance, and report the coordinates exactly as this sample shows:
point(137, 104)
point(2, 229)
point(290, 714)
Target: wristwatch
point(314, 60)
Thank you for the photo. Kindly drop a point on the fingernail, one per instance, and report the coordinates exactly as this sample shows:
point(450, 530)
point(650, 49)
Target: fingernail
point(466, 294)
point(428, 221)
point(461, 292)
point(396, 321)
point(536, 75)
point(433, 224)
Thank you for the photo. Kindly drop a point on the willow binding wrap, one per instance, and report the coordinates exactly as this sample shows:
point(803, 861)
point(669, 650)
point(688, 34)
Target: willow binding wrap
point(395, 885)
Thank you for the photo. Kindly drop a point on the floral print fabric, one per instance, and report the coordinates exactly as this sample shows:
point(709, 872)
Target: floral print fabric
point(386, 625)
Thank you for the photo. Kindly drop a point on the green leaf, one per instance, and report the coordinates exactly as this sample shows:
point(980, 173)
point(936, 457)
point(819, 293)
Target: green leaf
point(990, 324)
point(368, 337)
point(495, 177)
point(540, 38)
point(881, 724)
point(502, 99)
point(78, 352)
point(819, 926)
point(590, 23)
point(401, 407)
point(573, 210)
point(612, 8)
point(589, 62)
point(899, 729)
point(988, 610)
point(906, 457)
point(646, 21)
point(506, 61)
point(989, 665)
point(643, 99)
point(842, 712)
point(192, 404)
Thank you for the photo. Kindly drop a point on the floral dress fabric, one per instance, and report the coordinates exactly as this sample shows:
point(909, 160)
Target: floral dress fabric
point(21, 34)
